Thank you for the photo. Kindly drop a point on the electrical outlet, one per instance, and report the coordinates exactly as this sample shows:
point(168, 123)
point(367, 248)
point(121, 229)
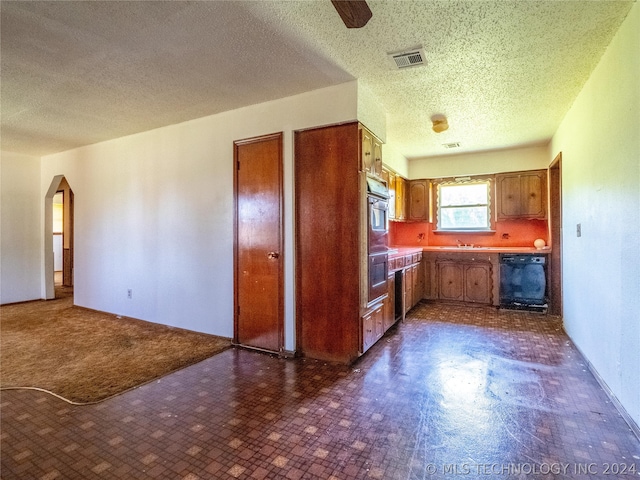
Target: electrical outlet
point(129, 293)
point(579, 230)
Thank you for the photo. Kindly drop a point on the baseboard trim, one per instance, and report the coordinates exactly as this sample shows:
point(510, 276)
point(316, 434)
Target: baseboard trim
point(614, 400)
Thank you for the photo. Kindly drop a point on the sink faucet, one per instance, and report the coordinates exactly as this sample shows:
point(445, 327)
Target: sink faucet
point(465, 245)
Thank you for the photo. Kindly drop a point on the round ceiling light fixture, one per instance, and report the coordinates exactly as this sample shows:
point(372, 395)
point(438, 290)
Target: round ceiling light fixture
point(440, 123)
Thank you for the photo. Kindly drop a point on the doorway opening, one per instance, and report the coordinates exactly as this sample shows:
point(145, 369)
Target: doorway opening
point(555, 234)
point(59, 239)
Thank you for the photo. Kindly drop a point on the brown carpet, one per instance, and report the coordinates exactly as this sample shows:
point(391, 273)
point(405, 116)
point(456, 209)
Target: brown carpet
point(86, 356)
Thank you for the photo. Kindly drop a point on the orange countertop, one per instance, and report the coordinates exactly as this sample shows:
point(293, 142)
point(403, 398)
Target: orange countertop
point(399, 250)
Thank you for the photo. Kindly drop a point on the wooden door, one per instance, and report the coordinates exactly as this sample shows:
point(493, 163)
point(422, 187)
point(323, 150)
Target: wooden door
point(258, 243)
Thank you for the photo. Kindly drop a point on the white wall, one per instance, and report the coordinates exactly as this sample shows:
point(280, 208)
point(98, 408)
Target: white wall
point(20, 227)
point(392, 158)
point(154, 212)
point(480, 163)
point(371, 113)
point(600, 143)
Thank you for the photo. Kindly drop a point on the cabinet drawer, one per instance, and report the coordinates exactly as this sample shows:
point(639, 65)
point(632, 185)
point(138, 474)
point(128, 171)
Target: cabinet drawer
point(399, 262)
point(392, 264)
point(415, 258)
point(408, 260)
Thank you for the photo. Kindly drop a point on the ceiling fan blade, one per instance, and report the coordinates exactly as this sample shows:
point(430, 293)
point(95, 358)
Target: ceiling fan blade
point(354, 13)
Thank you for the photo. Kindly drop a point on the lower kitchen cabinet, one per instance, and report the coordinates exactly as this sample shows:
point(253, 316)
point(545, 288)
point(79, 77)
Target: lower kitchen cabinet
point(464, 282)
point(372, 326)
point(469, 277)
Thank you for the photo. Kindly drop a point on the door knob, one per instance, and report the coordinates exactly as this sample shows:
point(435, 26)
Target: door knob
point(271, 255)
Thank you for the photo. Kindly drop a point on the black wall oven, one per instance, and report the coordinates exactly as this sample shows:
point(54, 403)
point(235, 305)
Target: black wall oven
point(377, 237)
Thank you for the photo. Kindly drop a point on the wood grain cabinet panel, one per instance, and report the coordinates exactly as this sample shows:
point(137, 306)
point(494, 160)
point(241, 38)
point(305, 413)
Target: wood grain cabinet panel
point(391, 183)
point(367, 151)
point(372, 327)
point(418, 200)
point(376, 167)
point(390, 303)
point(522, 195)
point(477, 283)
point(329, 256)
point(401, 198)
point(334, 320)
point(450, 281)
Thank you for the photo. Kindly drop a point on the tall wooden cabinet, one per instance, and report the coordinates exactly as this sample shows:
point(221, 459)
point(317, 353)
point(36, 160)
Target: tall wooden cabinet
point(333, 320)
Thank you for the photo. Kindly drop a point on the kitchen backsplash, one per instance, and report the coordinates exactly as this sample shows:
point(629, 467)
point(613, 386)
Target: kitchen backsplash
point(509, 233)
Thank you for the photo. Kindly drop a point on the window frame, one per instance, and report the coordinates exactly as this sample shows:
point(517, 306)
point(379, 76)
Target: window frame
point(489, 181)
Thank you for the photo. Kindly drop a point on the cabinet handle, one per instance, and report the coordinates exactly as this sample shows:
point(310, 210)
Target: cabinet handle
point(273, 255)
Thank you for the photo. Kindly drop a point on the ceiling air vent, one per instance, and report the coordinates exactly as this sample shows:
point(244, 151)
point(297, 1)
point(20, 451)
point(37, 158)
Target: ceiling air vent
point(408, 58)
point(451, 145)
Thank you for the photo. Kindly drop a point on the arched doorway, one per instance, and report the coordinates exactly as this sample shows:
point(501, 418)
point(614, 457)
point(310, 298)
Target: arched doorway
point(58, 235)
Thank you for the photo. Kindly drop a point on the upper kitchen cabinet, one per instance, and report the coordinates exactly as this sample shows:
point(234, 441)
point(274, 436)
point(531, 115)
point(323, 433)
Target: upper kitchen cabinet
point(522, 195)
point(418, 201)
point(390, 177)
point(402, 192)
point(371, 153)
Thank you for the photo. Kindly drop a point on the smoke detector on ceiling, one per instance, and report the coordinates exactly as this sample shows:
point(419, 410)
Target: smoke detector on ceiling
point(414, 57)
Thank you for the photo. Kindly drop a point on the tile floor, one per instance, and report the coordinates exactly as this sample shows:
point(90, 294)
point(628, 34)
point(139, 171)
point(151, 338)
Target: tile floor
point(454, 392)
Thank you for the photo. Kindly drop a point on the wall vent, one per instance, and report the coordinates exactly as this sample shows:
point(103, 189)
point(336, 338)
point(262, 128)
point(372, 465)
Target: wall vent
point(408, 58)
point(451, 145)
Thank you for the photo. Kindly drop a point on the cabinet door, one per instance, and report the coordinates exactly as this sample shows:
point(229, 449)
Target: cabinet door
point(508, 187)
point(418, 200)
point(407, 284)
point(533, 197)
point(477, 283)
point(378, 318)
point(415, 277)
point(522, 195)
point(377, 158)
point(367, 151)
point(450, 284)
point(390, 303)
point(368, 331)
point(392, 195)
point(418, 292)
point(401, 191)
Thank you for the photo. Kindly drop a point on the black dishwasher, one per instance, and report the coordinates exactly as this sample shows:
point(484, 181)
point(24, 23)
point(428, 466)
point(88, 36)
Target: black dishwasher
point(523, 282)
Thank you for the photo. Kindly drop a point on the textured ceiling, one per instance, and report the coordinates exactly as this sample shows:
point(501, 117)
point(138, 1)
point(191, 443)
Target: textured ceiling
point(503, 72)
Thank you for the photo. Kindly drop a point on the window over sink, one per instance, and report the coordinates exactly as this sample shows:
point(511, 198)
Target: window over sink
point(464, 205)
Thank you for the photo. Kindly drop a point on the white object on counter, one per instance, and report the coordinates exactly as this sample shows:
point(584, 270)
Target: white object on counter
point(539, 243)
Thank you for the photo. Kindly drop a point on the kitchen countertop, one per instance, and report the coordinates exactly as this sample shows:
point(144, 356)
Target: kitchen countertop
point(403, 250)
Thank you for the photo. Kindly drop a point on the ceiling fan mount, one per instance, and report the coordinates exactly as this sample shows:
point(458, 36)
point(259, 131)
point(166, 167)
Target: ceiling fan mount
point(354, 13)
